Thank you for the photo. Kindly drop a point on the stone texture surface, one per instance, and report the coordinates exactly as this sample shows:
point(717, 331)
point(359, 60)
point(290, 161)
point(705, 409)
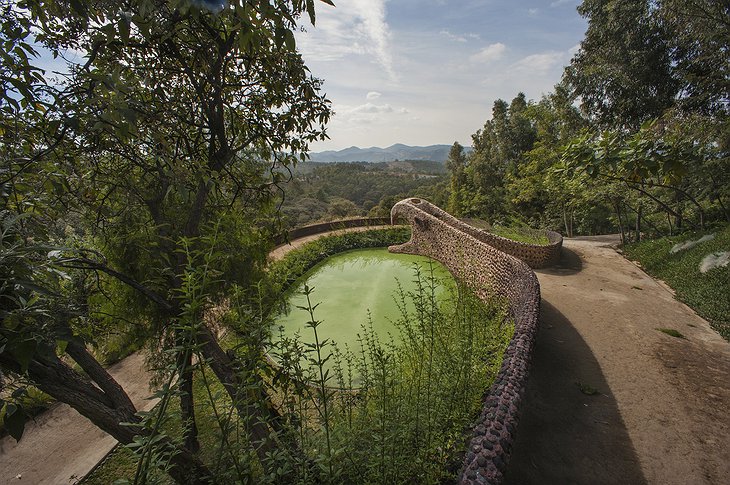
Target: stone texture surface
point(490, 271)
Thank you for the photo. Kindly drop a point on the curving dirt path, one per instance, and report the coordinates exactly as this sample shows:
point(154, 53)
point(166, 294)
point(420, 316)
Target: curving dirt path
point(661, 414)
point(280, 251)
point(61, 446)
point(662, 411)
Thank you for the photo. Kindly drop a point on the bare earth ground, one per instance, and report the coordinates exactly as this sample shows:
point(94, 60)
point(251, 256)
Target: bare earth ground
point(61, 446)
point(661, 415)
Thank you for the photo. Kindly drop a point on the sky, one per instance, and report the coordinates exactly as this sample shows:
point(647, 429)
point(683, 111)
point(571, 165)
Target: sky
point(424, 72)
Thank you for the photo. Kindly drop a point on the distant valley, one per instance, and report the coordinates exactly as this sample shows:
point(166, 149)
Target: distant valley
point(434, 153)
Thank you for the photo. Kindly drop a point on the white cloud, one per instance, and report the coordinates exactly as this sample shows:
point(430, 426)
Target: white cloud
point(450, 36)
point(492, 52)
point(366, 114)
point(532, 12)
point(540, 63)
point(559, 3)
point(357, 27)
point(373, 95)
point(372, 108)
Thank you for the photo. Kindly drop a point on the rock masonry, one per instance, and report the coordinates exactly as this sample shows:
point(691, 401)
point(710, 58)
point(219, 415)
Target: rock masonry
point(471, 257)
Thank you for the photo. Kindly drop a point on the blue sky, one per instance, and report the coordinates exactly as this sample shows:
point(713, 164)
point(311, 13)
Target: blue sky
point(423, 72)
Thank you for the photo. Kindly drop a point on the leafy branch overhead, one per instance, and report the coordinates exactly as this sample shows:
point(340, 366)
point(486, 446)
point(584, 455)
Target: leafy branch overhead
point(646, 156)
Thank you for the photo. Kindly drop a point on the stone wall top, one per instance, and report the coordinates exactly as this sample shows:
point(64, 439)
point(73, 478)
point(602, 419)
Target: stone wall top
point(535, 255)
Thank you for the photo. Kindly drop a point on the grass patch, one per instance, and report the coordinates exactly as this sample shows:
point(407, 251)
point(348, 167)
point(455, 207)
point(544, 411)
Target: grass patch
point(521, 234)
point(707, 293)
point(672, 332)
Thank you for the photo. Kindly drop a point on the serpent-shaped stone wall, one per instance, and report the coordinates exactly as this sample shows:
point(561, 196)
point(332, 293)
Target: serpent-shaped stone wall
point(490, 272)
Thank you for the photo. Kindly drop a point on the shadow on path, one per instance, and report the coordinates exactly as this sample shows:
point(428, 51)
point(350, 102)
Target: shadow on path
point(566, 436)
point(570, 263)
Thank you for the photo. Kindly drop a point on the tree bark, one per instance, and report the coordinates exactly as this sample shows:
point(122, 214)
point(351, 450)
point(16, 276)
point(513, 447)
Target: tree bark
point(59, 381)
point(617, 208)
point(247, 401)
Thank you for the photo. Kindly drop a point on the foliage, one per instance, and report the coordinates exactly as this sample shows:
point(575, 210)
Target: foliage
point(661, 163)
point(406, 420)
point(158, 151)
point(681, 270)
point(508, 176)
point(700, 39)
point(319, 191)
point(622, 72)
point(456, 165)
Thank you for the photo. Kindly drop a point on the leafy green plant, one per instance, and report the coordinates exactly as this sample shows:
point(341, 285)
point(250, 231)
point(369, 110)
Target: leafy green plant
point(405, 420)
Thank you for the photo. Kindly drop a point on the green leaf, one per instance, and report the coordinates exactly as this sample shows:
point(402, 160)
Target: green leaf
point(14, 421)
point(24, 352)
point(80, 8)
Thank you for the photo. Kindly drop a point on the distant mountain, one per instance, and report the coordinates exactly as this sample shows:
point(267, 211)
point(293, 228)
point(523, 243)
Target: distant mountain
point(434, 153)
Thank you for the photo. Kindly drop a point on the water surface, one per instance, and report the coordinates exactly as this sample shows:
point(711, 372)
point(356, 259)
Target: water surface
point(349, 285)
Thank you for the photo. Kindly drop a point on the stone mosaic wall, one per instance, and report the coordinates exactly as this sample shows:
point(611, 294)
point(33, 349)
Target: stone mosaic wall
point(535, 255)
point(490, 272)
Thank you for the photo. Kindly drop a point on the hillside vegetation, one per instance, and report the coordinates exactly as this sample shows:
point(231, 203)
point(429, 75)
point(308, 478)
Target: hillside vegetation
point(708, 293)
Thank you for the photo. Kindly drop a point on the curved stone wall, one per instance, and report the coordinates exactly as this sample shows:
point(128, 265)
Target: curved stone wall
point(331, 226)
point(437, 234)
point(535, 255)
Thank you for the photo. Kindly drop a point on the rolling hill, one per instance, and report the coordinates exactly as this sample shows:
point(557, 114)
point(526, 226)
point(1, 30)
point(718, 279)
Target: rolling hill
point(435, 153)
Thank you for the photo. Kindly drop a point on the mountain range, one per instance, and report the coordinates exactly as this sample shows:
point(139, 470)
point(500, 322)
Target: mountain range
point(435, 153)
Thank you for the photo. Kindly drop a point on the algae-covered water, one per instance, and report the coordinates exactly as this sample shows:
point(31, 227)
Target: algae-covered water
point(350, 284)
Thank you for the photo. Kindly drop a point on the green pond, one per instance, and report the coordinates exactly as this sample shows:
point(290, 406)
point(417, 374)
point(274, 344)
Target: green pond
point(350, 284)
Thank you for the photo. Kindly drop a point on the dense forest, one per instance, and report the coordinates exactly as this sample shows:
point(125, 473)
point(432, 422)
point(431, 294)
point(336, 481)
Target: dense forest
point(143, 189)
point(328, 191)
point(636, 136)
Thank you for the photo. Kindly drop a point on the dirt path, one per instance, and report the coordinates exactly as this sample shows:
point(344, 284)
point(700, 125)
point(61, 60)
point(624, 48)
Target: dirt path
point(61, 446)
point(662, 412)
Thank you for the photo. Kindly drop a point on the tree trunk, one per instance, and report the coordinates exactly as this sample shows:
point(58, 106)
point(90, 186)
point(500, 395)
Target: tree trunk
point(59, 381)
point(617, 208)
point(638, 223)
point(247, 400)
point(718, 196)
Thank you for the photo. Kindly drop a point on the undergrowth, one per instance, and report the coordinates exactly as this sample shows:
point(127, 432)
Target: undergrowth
point(707, 293)
point(407, 420)
point(395, 413)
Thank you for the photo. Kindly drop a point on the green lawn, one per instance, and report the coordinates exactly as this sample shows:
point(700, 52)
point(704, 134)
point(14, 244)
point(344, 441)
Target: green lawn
point(707, 293)
point(520, 234)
